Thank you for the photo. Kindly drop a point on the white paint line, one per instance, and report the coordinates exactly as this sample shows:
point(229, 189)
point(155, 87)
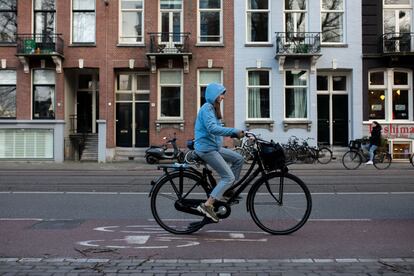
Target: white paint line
point(232, 231)
point(19, 219)
point(237, 235)
point(136, 239)
point(239, 240)
point(333, 220)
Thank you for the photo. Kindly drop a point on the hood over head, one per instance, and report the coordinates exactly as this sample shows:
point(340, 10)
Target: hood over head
point(214, 90)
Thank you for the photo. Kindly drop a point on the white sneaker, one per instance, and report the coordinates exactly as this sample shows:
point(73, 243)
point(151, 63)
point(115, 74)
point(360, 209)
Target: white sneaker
point(369, 163)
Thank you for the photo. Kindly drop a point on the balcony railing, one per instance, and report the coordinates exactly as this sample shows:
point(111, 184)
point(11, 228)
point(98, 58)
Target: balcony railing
point(39, 44)
point(298, 43)
point(397, 43)
point(169, 43)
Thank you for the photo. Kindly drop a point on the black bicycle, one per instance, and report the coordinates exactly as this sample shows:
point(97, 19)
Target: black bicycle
point(356, 155)
point(412, 159)
point(279, 202)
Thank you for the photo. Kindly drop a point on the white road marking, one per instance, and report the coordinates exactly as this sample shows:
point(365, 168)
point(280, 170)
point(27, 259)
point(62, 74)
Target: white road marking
point(237, 235)
point(136, 239)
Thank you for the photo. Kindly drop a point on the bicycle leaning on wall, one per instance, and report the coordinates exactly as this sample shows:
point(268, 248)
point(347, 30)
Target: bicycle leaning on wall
point(279, 202)
point(356, 155)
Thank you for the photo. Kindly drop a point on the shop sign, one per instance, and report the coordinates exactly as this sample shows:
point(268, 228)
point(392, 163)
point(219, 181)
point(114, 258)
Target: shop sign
point(393, 130)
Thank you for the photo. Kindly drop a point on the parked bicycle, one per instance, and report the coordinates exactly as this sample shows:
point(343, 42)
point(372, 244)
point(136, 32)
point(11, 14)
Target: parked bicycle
point(279, 202)
point(412, 159)
point(356, 155)
point(297, 151)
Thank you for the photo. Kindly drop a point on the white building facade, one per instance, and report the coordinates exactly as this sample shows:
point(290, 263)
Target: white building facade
point(298, 69)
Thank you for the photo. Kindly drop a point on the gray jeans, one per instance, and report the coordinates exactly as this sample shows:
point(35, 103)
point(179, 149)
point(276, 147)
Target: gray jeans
point(371, 149)
point(218, 160)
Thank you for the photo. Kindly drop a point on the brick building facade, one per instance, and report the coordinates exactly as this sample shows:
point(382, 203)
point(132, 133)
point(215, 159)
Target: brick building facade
point(121, 74)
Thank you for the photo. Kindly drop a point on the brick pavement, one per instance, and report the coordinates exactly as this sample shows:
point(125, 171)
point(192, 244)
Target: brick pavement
point(206, 267)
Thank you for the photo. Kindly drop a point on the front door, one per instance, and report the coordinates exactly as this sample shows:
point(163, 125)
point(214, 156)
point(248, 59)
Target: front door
point(142, 124)
point(340, 120)
point(84, 112)
point(124, 124)
point(323, 119)
point(332, 109)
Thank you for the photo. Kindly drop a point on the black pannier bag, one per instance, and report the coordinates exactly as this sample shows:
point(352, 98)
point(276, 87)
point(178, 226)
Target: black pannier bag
point(272, 155)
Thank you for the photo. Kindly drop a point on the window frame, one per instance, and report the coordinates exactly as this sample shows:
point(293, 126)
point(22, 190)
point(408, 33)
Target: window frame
point(73, 21)
point(35, 11)
point(159, 88)
point(388, 87)
point(142, 10)
point(170, 26)
point(43, 85)
point(268, 11)
point(343, 12)
point(15, 94)
point(299, 86)
point(199, 11)
point(285, 12)
point(200, 85)
point(134, 90)
point(269, 87)
point(14, 38)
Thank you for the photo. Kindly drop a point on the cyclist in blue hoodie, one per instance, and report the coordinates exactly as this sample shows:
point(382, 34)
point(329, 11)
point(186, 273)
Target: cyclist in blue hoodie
point(208, 142)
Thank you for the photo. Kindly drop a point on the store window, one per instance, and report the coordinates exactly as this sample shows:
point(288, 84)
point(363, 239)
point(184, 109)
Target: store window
point(296, 94)
point(401, 150)
point(210, 21)
point(332, 21)
point(8, 21)
point(83, 21)
point(171, 94)
point(257, 15)
point(206, 77)
point(258, 94)
point(44, 94)
point(390, 95)
point(7, 94)
point(132, 21)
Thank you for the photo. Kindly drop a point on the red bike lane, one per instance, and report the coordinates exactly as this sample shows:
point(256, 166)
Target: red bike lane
point(230, 239)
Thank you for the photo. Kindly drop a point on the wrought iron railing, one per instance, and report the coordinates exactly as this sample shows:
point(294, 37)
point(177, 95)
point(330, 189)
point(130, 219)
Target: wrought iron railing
point(39, 44)
point(394, 43)
point(298, 43)
point(169, 43)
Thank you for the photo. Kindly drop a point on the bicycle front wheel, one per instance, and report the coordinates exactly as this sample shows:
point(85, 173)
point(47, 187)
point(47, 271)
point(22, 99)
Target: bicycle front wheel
point(324, 155)
point(174, 201)
point(352, 160)
point(412, 159)
point(382, 160)
point(279, 204)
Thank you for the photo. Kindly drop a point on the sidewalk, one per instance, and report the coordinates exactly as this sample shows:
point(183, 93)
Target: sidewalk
point(141, 165)
point(219, 267)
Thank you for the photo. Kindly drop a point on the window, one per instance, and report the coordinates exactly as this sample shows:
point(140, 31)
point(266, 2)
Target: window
point(295, 16)
point(258, 21)
point(171, 20)
point(332, 21)
point(132, 87)
point(7, 94)
point(8, 21)
point(296, 91)
point(132, 15)
point(170, 106)
point(43, 94)
point(390, 95)
point(401, 150)
point(83, 21)
point(204, 78)
point(258, 94)
point(44, 16)
point(210, 18)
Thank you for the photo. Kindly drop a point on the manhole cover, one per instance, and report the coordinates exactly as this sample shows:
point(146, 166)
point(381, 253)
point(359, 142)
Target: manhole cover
point(57, 224)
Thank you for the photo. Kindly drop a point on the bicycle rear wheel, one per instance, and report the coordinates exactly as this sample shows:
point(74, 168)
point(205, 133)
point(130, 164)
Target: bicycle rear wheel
point(169, 199)
point(279, 204)
point(382, 160)
point(324, 155)
point(412, 159)
point(352, 160)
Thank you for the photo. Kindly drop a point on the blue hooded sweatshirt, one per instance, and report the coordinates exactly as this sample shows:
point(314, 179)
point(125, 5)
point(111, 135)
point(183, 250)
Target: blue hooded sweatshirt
point(208, 128)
